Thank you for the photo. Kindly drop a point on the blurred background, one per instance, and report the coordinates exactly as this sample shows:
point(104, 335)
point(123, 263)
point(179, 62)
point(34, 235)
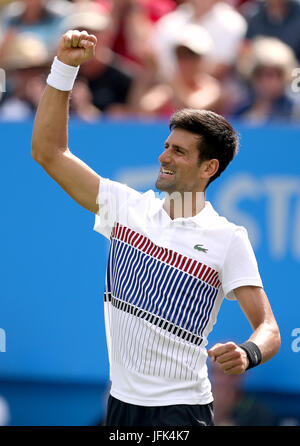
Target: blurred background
point(238, 58)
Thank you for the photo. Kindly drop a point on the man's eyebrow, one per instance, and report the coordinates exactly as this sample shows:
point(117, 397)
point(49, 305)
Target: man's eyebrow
point(175, 146)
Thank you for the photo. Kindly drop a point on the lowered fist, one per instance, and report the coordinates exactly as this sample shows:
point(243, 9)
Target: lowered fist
point(230, 357)
point(76, 47)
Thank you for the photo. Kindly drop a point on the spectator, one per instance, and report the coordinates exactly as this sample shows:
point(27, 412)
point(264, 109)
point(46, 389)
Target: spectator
point(104, 75)
point(268, 68)
point(26, 63)
point(276, 18)
point(36, 17)
point(81, 104)
point(225, 25)
point(2, 4)
point(233, 406)
point(133, 21)
point(191, 87)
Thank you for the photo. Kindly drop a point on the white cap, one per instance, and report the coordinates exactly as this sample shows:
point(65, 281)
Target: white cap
point(196, 38)
point(25, 50)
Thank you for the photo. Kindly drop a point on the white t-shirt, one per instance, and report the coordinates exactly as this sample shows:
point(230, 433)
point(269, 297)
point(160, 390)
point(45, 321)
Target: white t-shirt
point(224, 24)
point(165, 282)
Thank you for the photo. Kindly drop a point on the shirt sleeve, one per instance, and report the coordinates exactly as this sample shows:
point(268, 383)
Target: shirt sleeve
point(113, 199)
point(240, 266)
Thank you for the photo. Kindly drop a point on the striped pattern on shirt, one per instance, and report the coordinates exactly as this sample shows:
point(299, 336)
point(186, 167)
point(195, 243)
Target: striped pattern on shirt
point(159, 302)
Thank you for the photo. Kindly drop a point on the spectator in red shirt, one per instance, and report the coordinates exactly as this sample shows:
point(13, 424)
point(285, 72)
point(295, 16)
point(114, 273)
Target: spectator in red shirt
point(133, 20)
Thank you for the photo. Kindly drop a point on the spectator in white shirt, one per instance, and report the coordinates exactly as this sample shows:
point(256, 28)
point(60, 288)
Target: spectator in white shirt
point(225, 25)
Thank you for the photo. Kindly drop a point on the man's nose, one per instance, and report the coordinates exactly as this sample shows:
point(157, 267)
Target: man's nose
point(165, 157)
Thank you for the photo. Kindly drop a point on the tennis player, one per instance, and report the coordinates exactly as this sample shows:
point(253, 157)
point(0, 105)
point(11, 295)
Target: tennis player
point(171, 261)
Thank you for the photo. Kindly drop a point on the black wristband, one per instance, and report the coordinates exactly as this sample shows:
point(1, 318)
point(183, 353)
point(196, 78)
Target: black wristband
point(253, 354)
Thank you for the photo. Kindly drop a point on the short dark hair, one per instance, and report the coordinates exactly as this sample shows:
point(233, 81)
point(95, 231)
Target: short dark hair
point(217, 138)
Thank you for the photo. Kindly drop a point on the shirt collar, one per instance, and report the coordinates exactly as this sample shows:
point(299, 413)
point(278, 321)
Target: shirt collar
point(202, 219)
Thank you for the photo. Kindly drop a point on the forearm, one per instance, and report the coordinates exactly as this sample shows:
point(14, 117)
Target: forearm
point(256, 306)
point(267, 337)
point(50, 131)
point(232, 358)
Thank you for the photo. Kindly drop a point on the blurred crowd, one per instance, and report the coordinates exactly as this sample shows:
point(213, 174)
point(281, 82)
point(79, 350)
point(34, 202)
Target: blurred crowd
point(238, 58)
point(234, 406)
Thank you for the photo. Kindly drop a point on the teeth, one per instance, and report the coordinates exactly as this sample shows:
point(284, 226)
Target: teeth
point(167, 171)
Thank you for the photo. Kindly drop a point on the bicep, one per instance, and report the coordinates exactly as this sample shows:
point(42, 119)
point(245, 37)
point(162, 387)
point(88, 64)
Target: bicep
point(255, 304)
point(76, 178)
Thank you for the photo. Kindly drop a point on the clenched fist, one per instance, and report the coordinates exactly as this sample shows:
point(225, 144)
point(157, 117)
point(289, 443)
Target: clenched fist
point(231, 358)
point(76, 47)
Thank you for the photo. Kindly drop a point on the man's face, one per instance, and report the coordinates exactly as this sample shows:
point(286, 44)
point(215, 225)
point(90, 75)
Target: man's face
point(180, 170)
point(269, 82)
point(189, 63)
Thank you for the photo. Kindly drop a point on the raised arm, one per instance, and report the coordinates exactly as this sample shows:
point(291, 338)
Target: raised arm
point(50, 132)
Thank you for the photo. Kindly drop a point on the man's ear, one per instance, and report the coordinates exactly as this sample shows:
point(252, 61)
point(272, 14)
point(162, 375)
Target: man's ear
point(209, 168)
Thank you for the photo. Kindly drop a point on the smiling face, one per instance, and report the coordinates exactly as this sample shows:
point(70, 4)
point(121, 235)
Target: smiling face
point(180, 169)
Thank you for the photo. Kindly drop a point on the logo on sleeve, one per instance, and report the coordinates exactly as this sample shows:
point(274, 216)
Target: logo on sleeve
point(200, 248)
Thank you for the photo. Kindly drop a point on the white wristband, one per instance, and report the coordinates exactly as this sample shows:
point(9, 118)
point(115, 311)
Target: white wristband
point(62, 76)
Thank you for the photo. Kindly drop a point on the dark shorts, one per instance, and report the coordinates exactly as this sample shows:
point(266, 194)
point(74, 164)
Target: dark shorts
point(124, 414)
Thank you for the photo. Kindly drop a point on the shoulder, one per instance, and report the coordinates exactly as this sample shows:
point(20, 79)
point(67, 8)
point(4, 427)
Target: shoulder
point(217, 220)
point(227, 231)
point(233, 228)
point(124, 193)
point(107, 184)
point(146, 203)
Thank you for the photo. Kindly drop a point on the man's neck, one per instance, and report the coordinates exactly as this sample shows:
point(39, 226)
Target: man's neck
point(184, 205)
